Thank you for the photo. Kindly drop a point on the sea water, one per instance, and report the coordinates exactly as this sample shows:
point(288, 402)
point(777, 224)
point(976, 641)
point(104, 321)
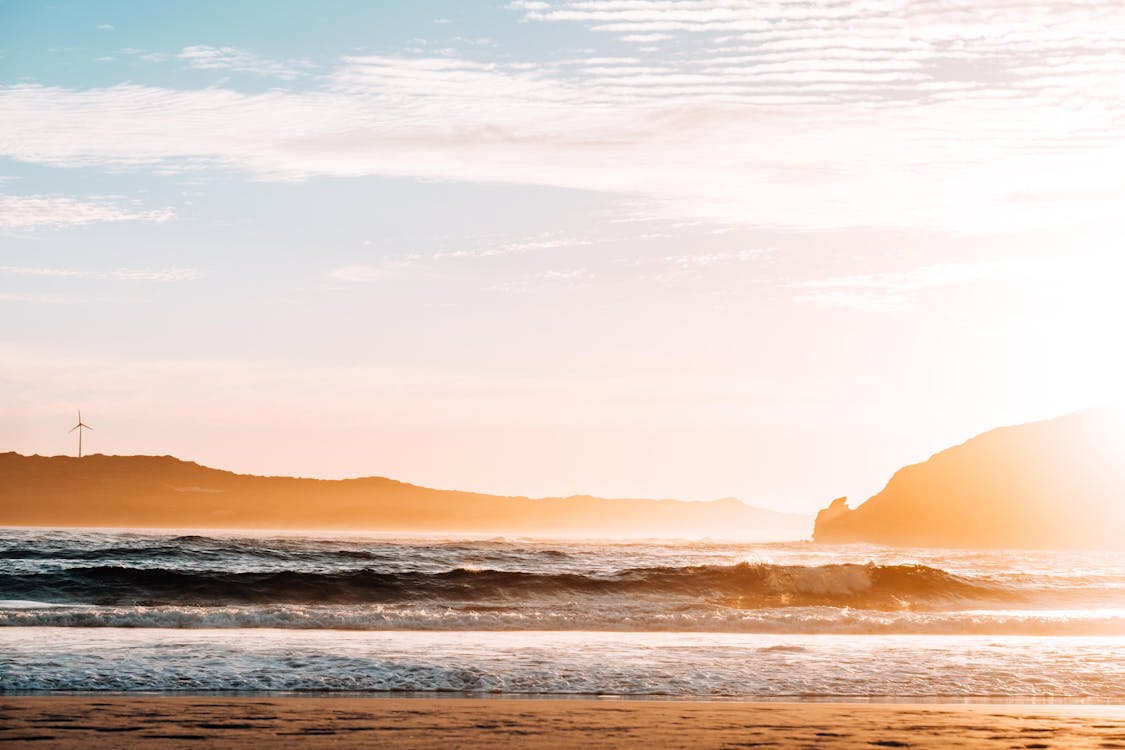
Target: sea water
point(125, 611)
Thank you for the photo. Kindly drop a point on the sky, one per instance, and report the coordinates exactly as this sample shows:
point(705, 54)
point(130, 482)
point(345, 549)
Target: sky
point(643, 248)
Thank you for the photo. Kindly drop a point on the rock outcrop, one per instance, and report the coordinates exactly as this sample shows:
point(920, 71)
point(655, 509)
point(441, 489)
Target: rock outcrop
point(1056, 483)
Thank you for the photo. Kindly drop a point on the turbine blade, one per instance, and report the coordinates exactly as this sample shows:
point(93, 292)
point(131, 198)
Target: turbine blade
point(72, 429)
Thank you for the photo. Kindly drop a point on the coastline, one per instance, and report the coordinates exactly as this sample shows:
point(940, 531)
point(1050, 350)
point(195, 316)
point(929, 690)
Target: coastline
point(223, 721)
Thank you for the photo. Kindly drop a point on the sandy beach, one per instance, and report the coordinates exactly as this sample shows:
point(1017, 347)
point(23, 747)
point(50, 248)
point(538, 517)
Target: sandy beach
point(245, 722)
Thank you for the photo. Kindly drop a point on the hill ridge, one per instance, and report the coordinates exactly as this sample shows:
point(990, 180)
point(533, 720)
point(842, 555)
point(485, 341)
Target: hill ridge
point(150, 491)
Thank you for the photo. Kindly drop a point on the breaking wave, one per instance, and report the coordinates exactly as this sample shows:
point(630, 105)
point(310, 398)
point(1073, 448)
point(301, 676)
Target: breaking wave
point(741, 586)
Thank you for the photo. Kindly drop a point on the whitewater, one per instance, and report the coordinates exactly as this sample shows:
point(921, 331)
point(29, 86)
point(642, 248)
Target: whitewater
point(98, 610)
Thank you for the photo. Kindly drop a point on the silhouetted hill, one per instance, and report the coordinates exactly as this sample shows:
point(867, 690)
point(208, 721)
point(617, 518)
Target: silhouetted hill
point(1056, 483)
point(162, 491)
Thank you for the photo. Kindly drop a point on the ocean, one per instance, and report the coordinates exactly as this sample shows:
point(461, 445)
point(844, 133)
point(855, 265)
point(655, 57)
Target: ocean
point(100, 610)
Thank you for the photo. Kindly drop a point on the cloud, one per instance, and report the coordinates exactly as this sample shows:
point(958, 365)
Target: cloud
point(884, 301)
point(121, 274)
point(160, 274)
point(703, 260)
point(645, 38)
point(55, 299)
point(783, 114)
point(62, 273)
point(105, 27)
point(899, 291)
point(360, 274)
point(382, 270)
point(513, 247)
point(570, 278)
point(419, 265)
point(573, 274)
point(52, 212)
point(675, 269)
point(237, 60)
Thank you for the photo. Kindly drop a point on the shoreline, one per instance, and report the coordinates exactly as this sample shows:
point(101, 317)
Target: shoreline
point(889, 701)
point(221, 721)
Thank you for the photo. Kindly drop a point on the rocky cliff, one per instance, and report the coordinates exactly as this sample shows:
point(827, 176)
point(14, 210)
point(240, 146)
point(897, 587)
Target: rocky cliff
point(1056, 483)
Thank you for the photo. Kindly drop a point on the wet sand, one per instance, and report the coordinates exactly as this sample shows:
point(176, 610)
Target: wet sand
point(336, 722)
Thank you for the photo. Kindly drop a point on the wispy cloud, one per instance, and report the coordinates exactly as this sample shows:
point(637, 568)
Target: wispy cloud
point(675, 269)
point(61, 273)
point(429, 264)
point(568, 278)
point(158, 274)
point(360, 273)
point(381, 270)
point(121, 274)
point(703, 260)
point(55, 299)
point(899, 291)
point(513, 248)
point(53, 211)
point(203, 57)
point(645, 38)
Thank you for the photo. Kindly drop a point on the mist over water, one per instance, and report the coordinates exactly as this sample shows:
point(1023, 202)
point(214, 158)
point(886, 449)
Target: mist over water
point(155, 611)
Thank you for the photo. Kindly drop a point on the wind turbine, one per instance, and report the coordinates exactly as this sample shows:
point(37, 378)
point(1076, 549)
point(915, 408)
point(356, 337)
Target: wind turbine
point(80, 426)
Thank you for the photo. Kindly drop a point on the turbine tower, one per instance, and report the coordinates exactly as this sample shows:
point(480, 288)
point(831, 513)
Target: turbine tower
point(80, 426)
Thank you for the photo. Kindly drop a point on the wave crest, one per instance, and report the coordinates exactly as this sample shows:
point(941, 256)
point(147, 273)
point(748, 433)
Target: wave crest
point(745, 585)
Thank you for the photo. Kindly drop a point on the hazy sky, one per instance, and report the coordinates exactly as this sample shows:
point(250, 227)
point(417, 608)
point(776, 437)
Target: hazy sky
point(767, 249)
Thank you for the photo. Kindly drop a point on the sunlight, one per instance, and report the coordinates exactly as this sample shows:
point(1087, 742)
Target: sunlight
point(461, 350)
point(1056, 318)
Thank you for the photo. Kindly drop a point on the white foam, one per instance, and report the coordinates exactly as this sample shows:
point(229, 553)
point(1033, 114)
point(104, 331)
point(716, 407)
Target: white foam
point(28, 604)
point(614, 615)
point(679, 664)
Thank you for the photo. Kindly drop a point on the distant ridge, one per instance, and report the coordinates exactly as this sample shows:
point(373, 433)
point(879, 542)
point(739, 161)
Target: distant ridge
point(1055, 483)
point(165, 492)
